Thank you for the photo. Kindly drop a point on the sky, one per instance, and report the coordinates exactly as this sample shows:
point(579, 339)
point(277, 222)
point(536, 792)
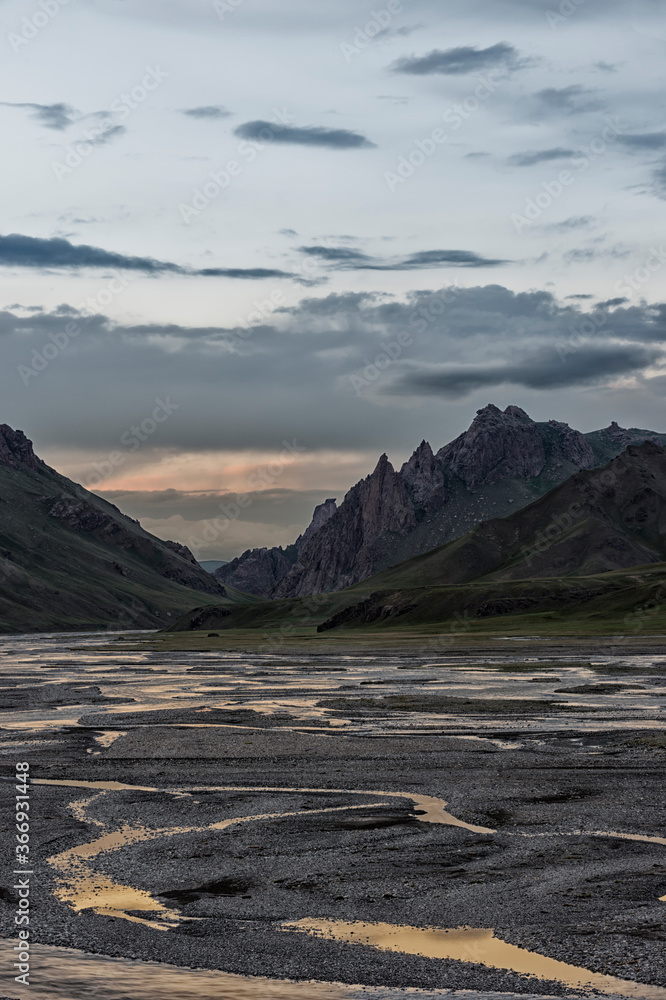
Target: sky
point(247, 246)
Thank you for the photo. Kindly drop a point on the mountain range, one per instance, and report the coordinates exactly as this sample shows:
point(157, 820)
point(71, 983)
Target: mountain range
point(516, 502)
point(588, 557)
point(502, 463)
point(69, 559)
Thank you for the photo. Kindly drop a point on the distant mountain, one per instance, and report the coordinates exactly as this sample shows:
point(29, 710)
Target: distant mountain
point(587, 558)
point(210, 565)
point(598, 521)
point(502, 463)
point(69, 559)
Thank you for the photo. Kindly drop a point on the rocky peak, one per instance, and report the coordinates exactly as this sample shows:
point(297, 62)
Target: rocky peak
point(16, 449)
point(344, 551)
point(622, 437)
point(322, 513)
point(385, 501)
point(498, 445)
point(572, 446)
point(424, 479)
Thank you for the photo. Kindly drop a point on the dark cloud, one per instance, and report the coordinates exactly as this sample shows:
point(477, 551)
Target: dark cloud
point(55, 116)
point(345, 259)
point(572, 223)
point(543, 369)
point(532, 157)
point(335, 254)
point(645, 140)
point(17, 250)
point(210, 112)
point(310, 135)
point(464, 59)
point(572, 100)
point(103, 136)
point(613, 303)
point(239, 389)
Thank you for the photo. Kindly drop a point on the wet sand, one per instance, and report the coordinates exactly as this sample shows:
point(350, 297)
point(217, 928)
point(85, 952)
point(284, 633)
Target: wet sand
point(226, 812)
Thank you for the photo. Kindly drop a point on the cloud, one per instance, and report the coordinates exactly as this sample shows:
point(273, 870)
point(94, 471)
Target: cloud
point(17, 250)
point(209, 112)
point(464, 59)
point(660, 181)
point(346, 259)
point(335, 254)
point(270, 506)
point(290, 377)
point(100, 137)
point(646, 140)
point(572, 100)
point(541, 370)
point(594, 252)
point(54, 116)
point(568, 225)
point(532, 157)
point(311, 135)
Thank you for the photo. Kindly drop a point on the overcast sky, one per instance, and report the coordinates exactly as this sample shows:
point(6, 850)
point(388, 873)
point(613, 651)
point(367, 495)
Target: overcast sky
point(249, 245)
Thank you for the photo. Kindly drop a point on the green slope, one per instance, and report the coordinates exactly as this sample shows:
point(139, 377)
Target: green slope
point(70, 560)
point(597, 521)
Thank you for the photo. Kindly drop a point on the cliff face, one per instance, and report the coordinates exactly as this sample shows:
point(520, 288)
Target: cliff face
point(504, 452)
point(343, 551)
point(424, 478)
point(257, 571)
point(322, 514)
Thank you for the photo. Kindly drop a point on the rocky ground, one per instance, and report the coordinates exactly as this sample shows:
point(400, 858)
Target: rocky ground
point(544, 880)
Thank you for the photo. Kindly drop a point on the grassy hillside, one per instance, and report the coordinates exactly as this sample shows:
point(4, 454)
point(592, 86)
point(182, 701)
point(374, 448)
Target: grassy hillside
point(598, 521)
point(631, 604)
point(70, 560)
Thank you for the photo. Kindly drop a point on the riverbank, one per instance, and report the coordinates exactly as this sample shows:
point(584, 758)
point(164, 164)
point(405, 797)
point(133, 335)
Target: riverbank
point(244, 793)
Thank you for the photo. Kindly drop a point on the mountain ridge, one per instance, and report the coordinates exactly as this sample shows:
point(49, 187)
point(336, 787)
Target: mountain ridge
point(503, 462)
point(69, 559)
